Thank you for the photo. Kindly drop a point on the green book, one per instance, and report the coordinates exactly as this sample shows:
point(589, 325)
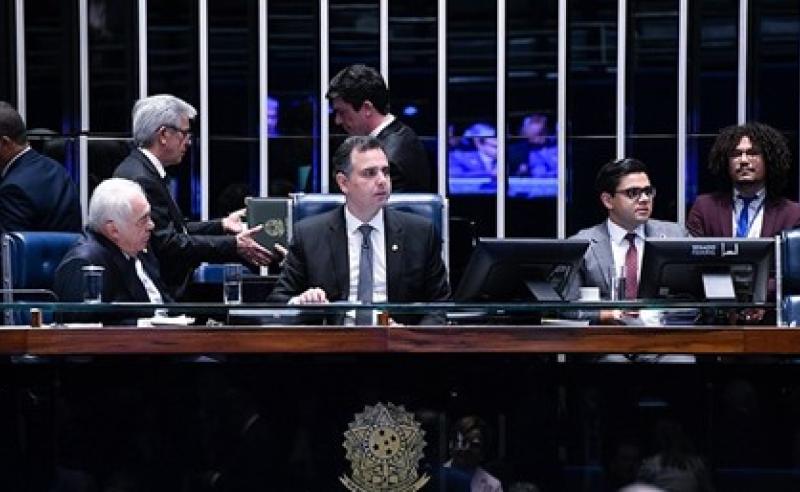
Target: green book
point(276, 216)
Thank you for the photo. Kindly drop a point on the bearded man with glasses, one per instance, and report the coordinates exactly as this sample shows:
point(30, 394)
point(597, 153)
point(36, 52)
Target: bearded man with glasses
point(751, 163)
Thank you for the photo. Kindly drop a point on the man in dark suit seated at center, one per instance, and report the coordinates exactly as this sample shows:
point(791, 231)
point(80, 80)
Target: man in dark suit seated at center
point(117, 237)
point(363, 251)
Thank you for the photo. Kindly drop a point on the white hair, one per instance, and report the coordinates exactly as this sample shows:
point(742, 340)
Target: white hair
point(151, 113)
point(111, 200)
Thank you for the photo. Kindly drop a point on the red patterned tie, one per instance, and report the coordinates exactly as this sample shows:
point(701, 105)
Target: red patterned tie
point(631, 268)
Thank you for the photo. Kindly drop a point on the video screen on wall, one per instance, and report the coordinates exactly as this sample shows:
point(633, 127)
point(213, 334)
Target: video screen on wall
point(532, 160)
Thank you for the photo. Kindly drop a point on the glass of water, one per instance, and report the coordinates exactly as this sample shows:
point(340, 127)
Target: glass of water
point(232, 283)
point(92, 284)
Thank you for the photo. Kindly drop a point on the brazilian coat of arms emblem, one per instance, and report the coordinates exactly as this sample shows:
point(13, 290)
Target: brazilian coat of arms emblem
point(384, 445)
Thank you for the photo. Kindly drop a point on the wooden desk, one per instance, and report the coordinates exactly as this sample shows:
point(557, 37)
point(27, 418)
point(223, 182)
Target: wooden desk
point(534, 339)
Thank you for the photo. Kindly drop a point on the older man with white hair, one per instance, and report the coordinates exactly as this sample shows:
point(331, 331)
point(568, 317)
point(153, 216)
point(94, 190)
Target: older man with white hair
point(162, 135)
point(117, 236)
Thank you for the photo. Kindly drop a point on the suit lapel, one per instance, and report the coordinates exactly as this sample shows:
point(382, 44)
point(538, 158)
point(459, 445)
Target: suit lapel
point(602, 252)
point(174, 211)
point(395, 252)
point(768, 228)
point(337, 241)
point(726, 217)
point(150, 266)
point(129, 280)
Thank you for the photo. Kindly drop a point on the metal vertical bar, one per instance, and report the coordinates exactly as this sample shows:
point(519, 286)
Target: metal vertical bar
point(19, 26)
point(741, 101)
point(83, 70)
point(204, 119)
point(622, 34)
point(778, 282)
point(683, 56)
point(384, 38)
point(501, 118)
point(263, 96)
point(561, 123)
point(324, 130)
point(441, 96)
point(142, 27)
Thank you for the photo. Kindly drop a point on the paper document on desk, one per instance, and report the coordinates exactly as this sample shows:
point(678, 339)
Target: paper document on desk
point(664, 317)
point(181, 320)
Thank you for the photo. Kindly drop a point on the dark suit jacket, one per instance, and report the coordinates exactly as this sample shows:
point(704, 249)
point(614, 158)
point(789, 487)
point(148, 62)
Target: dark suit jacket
point(180, 245)
point(318, 258)
point(37, 194)
point(120, 282)
point(712, 216)
point(408, 160)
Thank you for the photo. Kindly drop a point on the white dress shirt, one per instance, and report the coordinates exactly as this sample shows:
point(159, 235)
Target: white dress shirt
point(149, 286)
point(157, 163)
point(13, 160)
point(387, 120)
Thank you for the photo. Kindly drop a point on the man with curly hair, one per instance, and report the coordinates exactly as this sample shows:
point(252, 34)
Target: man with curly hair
point(751, 163)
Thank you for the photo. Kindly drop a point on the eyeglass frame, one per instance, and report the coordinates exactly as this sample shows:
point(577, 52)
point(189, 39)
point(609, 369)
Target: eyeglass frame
point(635, 192)
point(748, 153)
point(185, 134)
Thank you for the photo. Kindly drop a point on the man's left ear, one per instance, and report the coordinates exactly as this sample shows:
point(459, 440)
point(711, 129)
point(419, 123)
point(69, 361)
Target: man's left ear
point(368, 107)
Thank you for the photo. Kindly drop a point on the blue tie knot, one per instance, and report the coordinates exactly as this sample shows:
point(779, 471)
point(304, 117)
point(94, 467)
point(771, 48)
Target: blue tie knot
point(743, 223)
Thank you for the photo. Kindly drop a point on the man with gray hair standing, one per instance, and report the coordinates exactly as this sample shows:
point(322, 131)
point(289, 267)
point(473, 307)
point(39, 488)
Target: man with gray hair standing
point(117, 236)
point(162, 135)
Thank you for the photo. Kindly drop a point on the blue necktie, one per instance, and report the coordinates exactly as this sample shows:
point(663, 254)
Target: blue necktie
point(743, 225)
point(364, 316)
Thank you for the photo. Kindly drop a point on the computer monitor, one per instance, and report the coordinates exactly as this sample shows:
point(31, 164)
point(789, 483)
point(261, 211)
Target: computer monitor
point(509, 270)
point(701, 269)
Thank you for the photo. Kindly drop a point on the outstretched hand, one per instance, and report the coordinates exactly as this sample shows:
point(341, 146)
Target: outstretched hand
point(250, 250)
point(234, 222)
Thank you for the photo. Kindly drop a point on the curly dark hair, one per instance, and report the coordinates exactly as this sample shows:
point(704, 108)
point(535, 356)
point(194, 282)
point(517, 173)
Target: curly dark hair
point(770, 143)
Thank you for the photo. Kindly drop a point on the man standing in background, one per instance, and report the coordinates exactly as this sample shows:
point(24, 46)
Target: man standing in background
point(360, 101)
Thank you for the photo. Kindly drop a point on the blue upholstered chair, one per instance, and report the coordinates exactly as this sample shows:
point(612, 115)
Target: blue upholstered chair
point(29, 261)
point(790, 275)
point(429, 205)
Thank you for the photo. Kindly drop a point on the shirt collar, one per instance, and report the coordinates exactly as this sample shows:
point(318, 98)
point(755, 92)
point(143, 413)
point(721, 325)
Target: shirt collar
point(758, 197)
point(618, 234)
point(13, 160)
point(352, 222)
point(387, 120)
point(157, 163)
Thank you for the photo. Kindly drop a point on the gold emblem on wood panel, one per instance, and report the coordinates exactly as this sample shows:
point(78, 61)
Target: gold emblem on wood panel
point(384, 445)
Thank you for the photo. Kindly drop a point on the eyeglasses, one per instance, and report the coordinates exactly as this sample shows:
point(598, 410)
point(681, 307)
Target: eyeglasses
point(747, 153)
point(184, 133)
point(636, 192)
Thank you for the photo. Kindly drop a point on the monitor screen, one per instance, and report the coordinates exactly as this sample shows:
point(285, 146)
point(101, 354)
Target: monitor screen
point(508, 270)
point(702, 269)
